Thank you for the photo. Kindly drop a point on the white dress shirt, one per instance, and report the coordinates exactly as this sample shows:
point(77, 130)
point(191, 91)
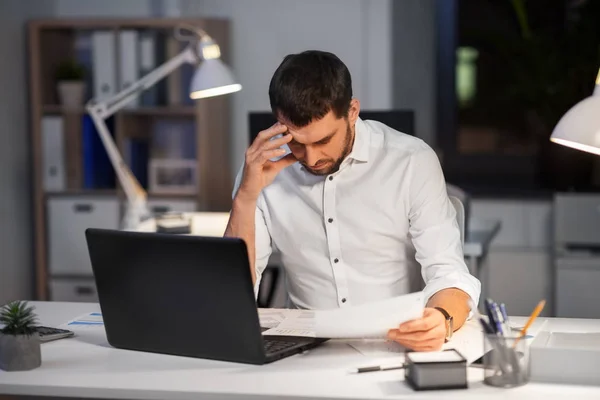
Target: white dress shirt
point(360, 234)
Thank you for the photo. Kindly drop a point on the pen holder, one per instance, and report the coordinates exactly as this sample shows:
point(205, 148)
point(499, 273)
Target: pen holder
point(506, 361)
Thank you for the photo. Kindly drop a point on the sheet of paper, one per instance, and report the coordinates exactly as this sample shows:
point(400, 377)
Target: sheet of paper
point(468, 341)
point(300, 323)
point(371, 320)
point(272, 317)
point(84, 322)
point(378, 348)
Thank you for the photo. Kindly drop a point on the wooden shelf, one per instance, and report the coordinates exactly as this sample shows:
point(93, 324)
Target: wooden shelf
point(158, 196)
point(83, 192)
point(166, 111)
point(159, 111)
point(115, 192)
point(57, 109)
point(52, 41)
point(121, 23)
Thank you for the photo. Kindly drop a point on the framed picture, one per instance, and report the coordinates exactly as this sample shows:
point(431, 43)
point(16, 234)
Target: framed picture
point(173, 176)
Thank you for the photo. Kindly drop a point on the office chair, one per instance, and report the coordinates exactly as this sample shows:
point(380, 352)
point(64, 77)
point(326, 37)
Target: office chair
point(460, 216)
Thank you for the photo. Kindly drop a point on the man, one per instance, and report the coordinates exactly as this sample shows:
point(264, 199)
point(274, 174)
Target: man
point(352, 208)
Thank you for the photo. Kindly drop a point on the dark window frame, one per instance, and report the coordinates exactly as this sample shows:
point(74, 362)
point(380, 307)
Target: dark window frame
point(478, 170)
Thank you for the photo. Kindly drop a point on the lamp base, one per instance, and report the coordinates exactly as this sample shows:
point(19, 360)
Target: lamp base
point(135, 215)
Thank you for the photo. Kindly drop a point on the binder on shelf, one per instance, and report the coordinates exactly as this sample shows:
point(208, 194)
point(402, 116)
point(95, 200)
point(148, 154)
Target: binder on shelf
point(83, 55)
point(174, 79)
point(148, 62)
point(54, 174)
point(73, 153)
point(98, 172)
point(129, 63)
point(104, 61)
point(137, 151)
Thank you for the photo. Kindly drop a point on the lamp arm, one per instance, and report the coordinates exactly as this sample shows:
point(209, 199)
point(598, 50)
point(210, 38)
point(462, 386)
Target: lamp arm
point(103, 109)
point(107, 107)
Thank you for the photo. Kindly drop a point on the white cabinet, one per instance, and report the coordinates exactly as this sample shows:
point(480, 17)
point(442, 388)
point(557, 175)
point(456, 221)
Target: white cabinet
point(520, 279)
point(577, 283)
point(68, 218)
point(74, 290)
point(518, 270)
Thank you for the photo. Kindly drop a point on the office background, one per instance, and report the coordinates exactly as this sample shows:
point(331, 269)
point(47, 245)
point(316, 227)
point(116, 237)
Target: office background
point(397, 52)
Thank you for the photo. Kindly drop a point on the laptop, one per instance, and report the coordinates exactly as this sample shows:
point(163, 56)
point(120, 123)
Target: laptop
point(182, 295)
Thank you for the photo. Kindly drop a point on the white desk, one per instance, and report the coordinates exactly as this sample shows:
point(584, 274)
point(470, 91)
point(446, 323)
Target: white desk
point(86, 366)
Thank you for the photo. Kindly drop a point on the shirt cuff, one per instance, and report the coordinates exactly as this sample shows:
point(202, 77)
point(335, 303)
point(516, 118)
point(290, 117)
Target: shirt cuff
point(463, 281)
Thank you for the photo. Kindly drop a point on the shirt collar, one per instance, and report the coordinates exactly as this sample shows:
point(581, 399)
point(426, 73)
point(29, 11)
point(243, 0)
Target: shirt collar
point(362, 139)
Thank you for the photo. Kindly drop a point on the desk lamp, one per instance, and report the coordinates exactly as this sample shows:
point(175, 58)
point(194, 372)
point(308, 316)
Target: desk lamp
point(211, 78)
point(579, 128)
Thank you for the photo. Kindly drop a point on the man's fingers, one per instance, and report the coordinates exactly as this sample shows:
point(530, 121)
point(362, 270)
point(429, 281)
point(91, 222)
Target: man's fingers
point(418, 325)
point(284, 162)
point(275, 143)
point(268, 154)
point(430, 344)
point(267, 134)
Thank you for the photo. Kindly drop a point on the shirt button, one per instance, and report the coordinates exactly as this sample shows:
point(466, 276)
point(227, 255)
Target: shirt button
point(330, 220)
point(331, 178)
point(344, 300)
point(336, 260)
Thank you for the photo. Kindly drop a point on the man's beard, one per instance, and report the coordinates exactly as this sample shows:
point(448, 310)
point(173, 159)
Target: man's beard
point(348, 142)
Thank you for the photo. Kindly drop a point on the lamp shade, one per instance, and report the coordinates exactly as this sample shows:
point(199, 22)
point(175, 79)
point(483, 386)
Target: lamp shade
point(212, 78)
point(579, 128)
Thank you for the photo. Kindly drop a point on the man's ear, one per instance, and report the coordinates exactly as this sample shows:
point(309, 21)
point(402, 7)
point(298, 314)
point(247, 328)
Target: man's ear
point(353, 111)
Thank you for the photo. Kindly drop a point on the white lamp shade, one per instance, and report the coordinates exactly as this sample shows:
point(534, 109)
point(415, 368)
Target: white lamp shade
point(579, 128)
point(212, 78)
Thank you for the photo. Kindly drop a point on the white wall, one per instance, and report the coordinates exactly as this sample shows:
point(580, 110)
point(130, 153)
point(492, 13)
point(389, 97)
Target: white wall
point(16, 235)
point(414, 68)
point(264, 31)
point(104, 8)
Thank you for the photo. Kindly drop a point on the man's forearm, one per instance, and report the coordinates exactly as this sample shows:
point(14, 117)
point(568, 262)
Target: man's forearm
point(242, 225)
point(455, 302)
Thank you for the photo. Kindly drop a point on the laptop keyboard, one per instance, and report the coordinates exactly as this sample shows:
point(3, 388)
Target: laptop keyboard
point(275, 346)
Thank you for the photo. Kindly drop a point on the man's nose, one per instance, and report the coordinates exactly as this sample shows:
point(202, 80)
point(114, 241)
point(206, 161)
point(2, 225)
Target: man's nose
point(310, 156)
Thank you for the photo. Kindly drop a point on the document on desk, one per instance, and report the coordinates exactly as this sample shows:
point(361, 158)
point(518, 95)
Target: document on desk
point(85, 322)
point(468, 341)
point(371, 320)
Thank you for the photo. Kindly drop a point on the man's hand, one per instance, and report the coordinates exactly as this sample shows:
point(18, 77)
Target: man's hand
point(259, 170)
point(425, 334)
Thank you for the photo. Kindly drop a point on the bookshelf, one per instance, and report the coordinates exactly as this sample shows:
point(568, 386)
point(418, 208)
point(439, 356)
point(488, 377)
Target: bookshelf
point(53, 41)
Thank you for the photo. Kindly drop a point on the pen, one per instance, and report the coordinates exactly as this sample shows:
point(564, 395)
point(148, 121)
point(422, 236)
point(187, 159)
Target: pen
point(499, 320)
point(376, 368)
point(504, 315)
point(490, 314)
point(486, 327)
point(536, 311)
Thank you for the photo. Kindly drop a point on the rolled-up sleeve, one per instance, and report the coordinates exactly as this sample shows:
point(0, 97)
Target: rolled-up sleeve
point(262, 238)
point(434, 230)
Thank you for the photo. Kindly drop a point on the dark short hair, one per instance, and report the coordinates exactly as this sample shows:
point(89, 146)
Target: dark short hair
point(306, 86)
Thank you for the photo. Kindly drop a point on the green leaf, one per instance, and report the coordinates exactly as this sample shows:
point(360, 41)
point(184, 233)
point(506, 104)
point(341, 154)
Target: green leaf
point(19, 318)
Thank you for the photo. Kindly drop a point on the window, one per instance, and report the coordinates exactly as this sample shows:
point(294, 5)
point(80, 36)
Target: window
point(507, 71)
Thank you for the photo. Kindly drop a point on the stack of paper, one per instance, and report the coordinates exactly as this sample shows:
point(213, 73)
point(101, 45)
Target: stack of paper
point(371, 320)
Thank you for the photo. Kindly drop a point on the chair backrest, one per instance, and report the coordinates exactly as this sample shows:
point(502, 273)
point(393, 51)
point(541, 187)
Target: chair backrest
point(460, 216)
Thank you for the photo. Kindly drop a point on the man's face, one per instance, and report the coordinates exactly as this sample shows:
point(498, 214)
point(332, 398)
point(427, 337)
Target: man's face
point(322, 145)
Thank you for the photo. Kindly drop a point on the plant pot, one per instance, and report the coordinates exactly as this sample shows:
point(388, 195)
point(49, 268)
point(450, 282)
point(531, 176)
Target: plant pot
point(20, 352)
point(71, 93)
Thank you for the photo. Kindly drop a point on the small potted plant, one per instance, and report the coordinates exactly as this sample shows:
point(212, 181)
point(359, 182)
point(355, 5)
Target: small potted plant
point(70, 84)
point(19, 341)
